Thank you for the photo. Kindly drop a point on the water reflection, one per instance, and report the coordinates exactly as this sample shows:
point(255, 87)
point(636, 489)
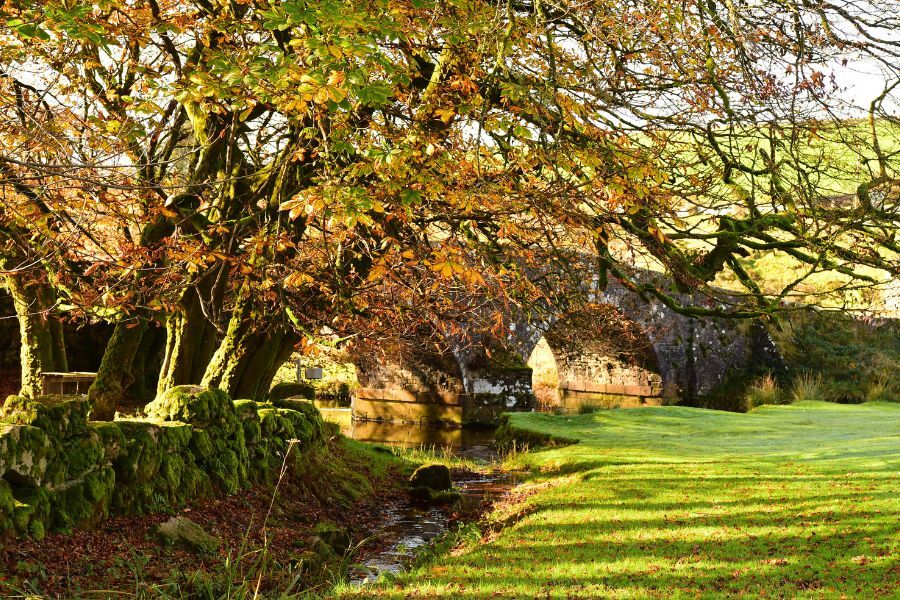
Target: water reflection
point(407, 435)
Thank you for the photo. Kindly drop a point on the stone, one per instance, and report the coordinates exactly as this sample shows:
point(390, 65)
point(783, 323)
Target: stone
point(111, 437)
point(430, 496)
point(25, 454)
point(181, 531)
point(83, 502)
point(434, 476)
point(313, 417)
point(146, 444)
point(334, 536)
point(7, 505)
point(31, 512)
point(246, 410)
point(59, 416)
point(297, 389)
point(82, 454)
point(203, 407)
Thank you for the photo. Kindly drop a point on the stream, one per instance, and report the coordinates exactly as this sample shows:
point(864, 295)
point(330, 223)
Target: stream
point(407, 527)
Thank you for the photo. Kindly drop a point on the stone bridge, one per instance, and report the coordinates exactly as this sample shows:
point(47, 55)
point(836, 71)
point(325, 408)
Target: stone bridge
point(625, 352)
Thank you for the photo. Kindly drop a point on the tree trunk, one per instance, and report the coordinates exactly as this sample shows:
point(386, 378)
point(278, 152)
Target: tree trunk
point(191, 337)
point(146, 366)
point(43, 343)
point(248, 358)
point(116, 375)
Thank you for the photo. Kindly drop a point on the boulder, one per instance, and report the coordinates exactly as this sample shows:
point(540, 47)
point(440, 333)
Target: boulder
point(434, 476)
point(31, 513)
point(297, 389)
point(7, 505)
point(83, 502)
point(82, 454)
point(181, 531)
point(312, 431)
point(111, 437)
point(334, 536)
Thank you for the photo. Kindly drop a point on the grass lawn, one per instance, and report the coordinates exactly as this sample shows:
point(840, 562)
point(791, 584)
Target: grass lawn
point(799, 501)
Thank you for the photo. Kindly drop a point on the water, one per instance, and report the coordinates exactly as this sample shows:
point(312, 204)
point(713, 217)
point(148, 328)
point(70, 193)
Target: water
point(475, 443)
point(407, 527)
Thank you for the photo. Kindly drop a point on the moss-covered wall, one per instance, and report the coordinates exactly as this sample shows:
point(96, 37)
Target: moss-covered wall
point(58, 471)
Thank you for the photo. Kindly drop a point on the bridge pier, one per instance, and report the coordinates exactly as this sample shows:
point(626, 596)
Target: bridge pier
point(430, 387)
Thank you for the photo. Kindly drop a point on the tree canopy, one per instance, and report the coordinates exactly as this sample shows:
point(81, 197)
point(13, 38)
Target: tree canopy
point(251, 171)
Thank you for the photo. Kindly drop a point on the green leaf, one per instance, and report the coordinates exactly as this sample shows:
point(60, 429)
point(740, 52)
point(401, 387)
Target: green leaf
point(375, 94)
point(411, 197)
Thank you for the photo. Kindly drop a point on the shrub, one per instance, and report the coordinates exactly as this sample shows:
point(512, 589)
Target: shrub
point(809, 386)
point(764, 391)
point(857, 359)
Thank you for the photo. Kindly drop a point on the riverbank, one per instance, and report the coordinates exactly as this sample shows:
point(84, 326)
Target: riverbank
point(264, 542)
point(794, 501)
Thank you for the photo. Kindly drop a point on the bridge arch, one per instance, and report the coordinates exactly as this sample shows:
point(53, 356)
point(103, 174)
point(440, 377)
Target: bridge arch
point(601, 358)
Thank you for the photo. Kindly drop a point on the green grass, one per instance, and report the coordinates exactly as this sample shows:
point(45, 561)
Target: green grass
point(796, 501)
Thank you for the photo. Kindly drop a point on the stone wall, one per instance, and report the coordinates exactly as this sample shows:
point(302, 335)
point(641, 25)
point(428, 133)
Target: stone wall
point(58, 471)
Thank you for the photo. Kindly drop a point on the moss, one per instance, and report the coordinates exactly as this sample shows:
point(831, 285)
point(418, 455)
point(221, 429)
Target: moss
point(249, 418)
point(59, 416)
point(334, 536)
point(204, 407)
point(226, 460)
point(171, 471)
point(25, 453)
point(181, 531)
point(433, 476)
point(80, 473)
point(246, 409)
point(111, 437)
point(291, 389)
point(252, 431)
point(82, 454)
point(31, 512)
point(85, 502)
point(268, 421)
point(146, 444)
point(201, 445)
point(313, 432)
point(7, 505)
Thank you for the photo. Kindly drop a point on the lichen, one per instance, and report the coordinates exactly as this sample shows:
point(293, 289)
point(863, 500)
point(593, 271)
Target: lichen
point(25, 454)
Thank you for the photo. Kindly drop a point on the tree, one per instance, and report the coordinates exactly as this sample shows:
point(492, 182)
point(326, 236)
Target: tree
point(252, 171)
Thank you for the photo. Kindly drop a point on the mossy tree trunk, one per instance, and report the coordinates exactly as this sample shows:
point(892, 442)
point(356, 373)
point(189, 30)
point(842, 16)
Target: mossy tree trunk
point(191, 335)
point(116, 373)
point(43, 342)
point(248, 357)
